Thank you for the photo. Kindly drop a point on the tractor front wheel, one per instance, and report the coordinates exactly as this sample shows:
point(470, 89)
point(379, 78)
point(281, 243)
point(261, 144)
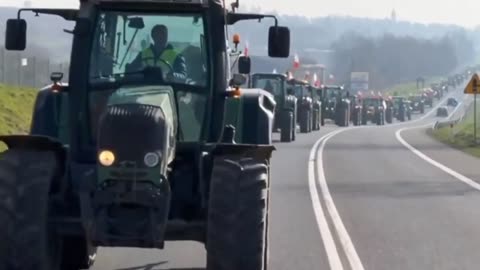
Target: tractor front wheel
point(27, 240)
point(237, 228)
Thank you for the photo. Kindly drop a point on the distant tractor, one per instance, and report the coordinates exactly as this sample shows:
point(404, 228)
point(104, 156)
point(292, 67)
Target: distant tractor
point(373, 110)
point(428, 96)
point(286, 103)
point(401, 108)
point(317, 107)
point(335, 105)
point(300, 89)
point(417, 102)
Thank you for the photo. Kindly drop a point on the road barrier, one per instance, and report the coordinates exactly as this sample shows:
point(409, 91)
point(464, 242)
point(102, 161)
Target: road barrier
point(458, 115)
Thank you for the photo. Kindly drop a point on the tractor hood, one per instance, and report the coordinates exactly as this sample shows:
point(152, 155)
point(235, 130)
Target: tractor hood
point(145, 115)
point(155, 95)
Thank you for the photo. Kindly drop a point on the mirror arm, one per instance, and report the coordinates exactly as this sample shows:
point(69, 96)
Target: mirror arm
point(67, 14)
point(232, 18)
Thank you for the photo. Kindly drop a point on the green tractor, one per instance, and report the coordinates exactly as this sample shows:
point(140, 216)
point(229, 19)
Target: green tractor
point(374, 108)
point(401, 108)
point(166, 148)
point(316, 95)
point(286, 103)
point(300, 89)
point(335, 105)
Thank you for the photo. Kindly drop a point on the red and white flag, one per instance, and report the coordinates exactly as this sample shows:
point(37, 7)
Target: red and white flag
point(296, 62)
point(245, 51)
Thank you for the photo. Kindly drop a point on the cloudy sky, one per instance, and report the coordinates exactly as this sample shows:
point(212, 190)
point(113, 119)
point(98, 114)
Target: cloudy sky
point(460, 12)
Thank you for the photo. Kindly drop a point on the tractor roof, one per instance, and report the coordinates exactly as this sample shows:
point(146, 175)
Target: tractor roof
point(297, 81)
point(269, 75)
point(192, 2)
point(331, 86)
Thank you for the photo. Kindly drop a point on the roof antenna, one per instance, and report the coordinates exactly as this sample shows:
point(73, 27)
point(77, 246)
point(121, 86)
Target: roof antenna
point(235, 5)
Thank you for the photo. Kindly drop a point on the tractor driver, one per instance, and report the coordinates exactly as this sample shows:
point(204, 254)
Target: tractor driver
point(158, 53)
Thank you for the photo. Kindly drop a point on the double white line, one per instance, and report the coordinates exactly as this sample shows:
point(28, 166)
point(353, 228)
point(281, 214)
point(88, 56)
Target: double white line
point(316, 172)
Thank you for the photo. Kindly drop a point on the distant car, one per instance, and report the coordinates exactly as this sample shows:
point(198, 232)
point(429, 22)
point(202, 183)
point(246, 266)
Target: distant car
point(442, 111)
point(452, 102)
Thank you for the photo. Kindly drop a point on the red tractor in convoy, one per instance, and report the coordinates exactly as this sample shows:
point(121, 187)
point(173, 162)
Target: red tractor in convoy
point(428, 95)
point(374, 109)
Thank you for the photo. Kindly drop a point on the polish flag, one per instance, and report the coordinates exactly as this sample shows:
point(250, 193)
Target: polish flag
point(245, 51)
point(296, 62)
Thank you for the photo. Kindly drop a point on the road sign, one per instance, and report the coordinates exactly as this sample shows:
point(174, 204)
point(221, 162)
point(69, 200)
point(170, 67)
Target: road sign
point(473, 85)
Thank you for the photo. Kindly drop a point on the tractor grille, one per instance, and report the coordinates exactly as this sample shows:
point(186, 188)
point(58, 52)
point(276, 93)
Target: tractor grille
point(132, 130)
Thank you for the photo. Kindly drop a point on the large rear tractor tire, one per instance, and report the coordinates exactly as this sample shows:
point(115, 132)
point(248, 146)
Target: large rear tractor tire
point(364, 118)
point(294, 128)
point(304, 118)
point(27, 240)
point(315, 120)
point(286, 126)
point(237, 229)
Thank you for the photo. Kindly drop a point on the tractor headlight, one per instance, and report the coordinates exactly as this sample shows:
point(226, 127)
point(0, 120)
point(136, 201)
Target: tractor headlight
point(151, 159)
point(106, 158)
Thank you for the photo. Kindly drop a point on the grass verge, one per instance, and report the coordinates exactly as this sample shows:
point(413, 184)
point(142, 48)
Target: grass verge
point(16, 106)
point(406, 89)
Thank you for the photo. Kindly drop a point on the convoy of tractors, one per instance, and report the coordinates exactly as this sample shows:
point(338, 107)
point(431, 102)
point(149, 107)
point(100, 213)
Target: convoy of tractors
point(302, 106)
point(139, 154)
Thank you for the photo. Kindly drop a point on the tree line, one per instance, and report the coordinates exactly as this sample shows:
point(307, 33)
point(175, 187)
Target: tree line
point(394, 59)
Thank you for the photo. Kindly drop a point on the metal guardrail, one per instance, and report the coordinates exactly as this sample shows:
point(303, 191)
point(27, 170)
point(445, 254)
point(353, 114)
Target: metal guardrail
point(456, 116)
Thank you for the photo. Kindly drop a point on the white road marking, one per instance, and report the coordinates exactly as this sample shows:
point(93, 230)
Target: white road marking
point(347, 244)
point(327, 236)
point(437, 164)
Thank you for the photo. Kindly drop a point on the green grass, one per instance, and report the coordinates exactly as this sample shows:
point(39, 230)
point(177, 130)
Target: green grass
point(461, 136)
point(16, 105)
point(406, 89)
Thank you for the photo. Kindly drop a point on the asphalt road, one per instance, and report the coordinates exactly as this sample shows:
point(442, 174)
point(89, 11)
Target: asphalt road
point(357, 200)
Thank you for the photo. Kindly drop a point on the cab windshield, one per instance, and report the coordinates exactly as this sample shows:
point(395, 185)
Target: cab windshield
point(371, 102)
point(300, 91)
point(272, 85)
point(146, 49)
point(333, 92)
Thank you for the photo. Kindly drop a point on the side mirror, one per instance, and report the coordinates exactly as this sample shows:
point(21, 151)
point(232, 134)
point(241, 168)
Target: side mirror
point(244, 65)
point(16, 35)
point(56, 77)
point(279, 41)
point(136, 23)
point(237, 80)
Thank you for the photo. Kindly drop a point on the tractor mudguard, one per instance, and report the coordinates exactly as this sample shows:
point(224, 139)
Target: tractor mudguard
point(50, 114)
point(252, 116)
point(257, 152)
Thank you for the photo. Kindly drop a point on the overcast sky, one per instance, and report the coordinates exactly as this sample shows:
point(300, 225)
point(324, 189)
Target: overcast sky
point(460, 12)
